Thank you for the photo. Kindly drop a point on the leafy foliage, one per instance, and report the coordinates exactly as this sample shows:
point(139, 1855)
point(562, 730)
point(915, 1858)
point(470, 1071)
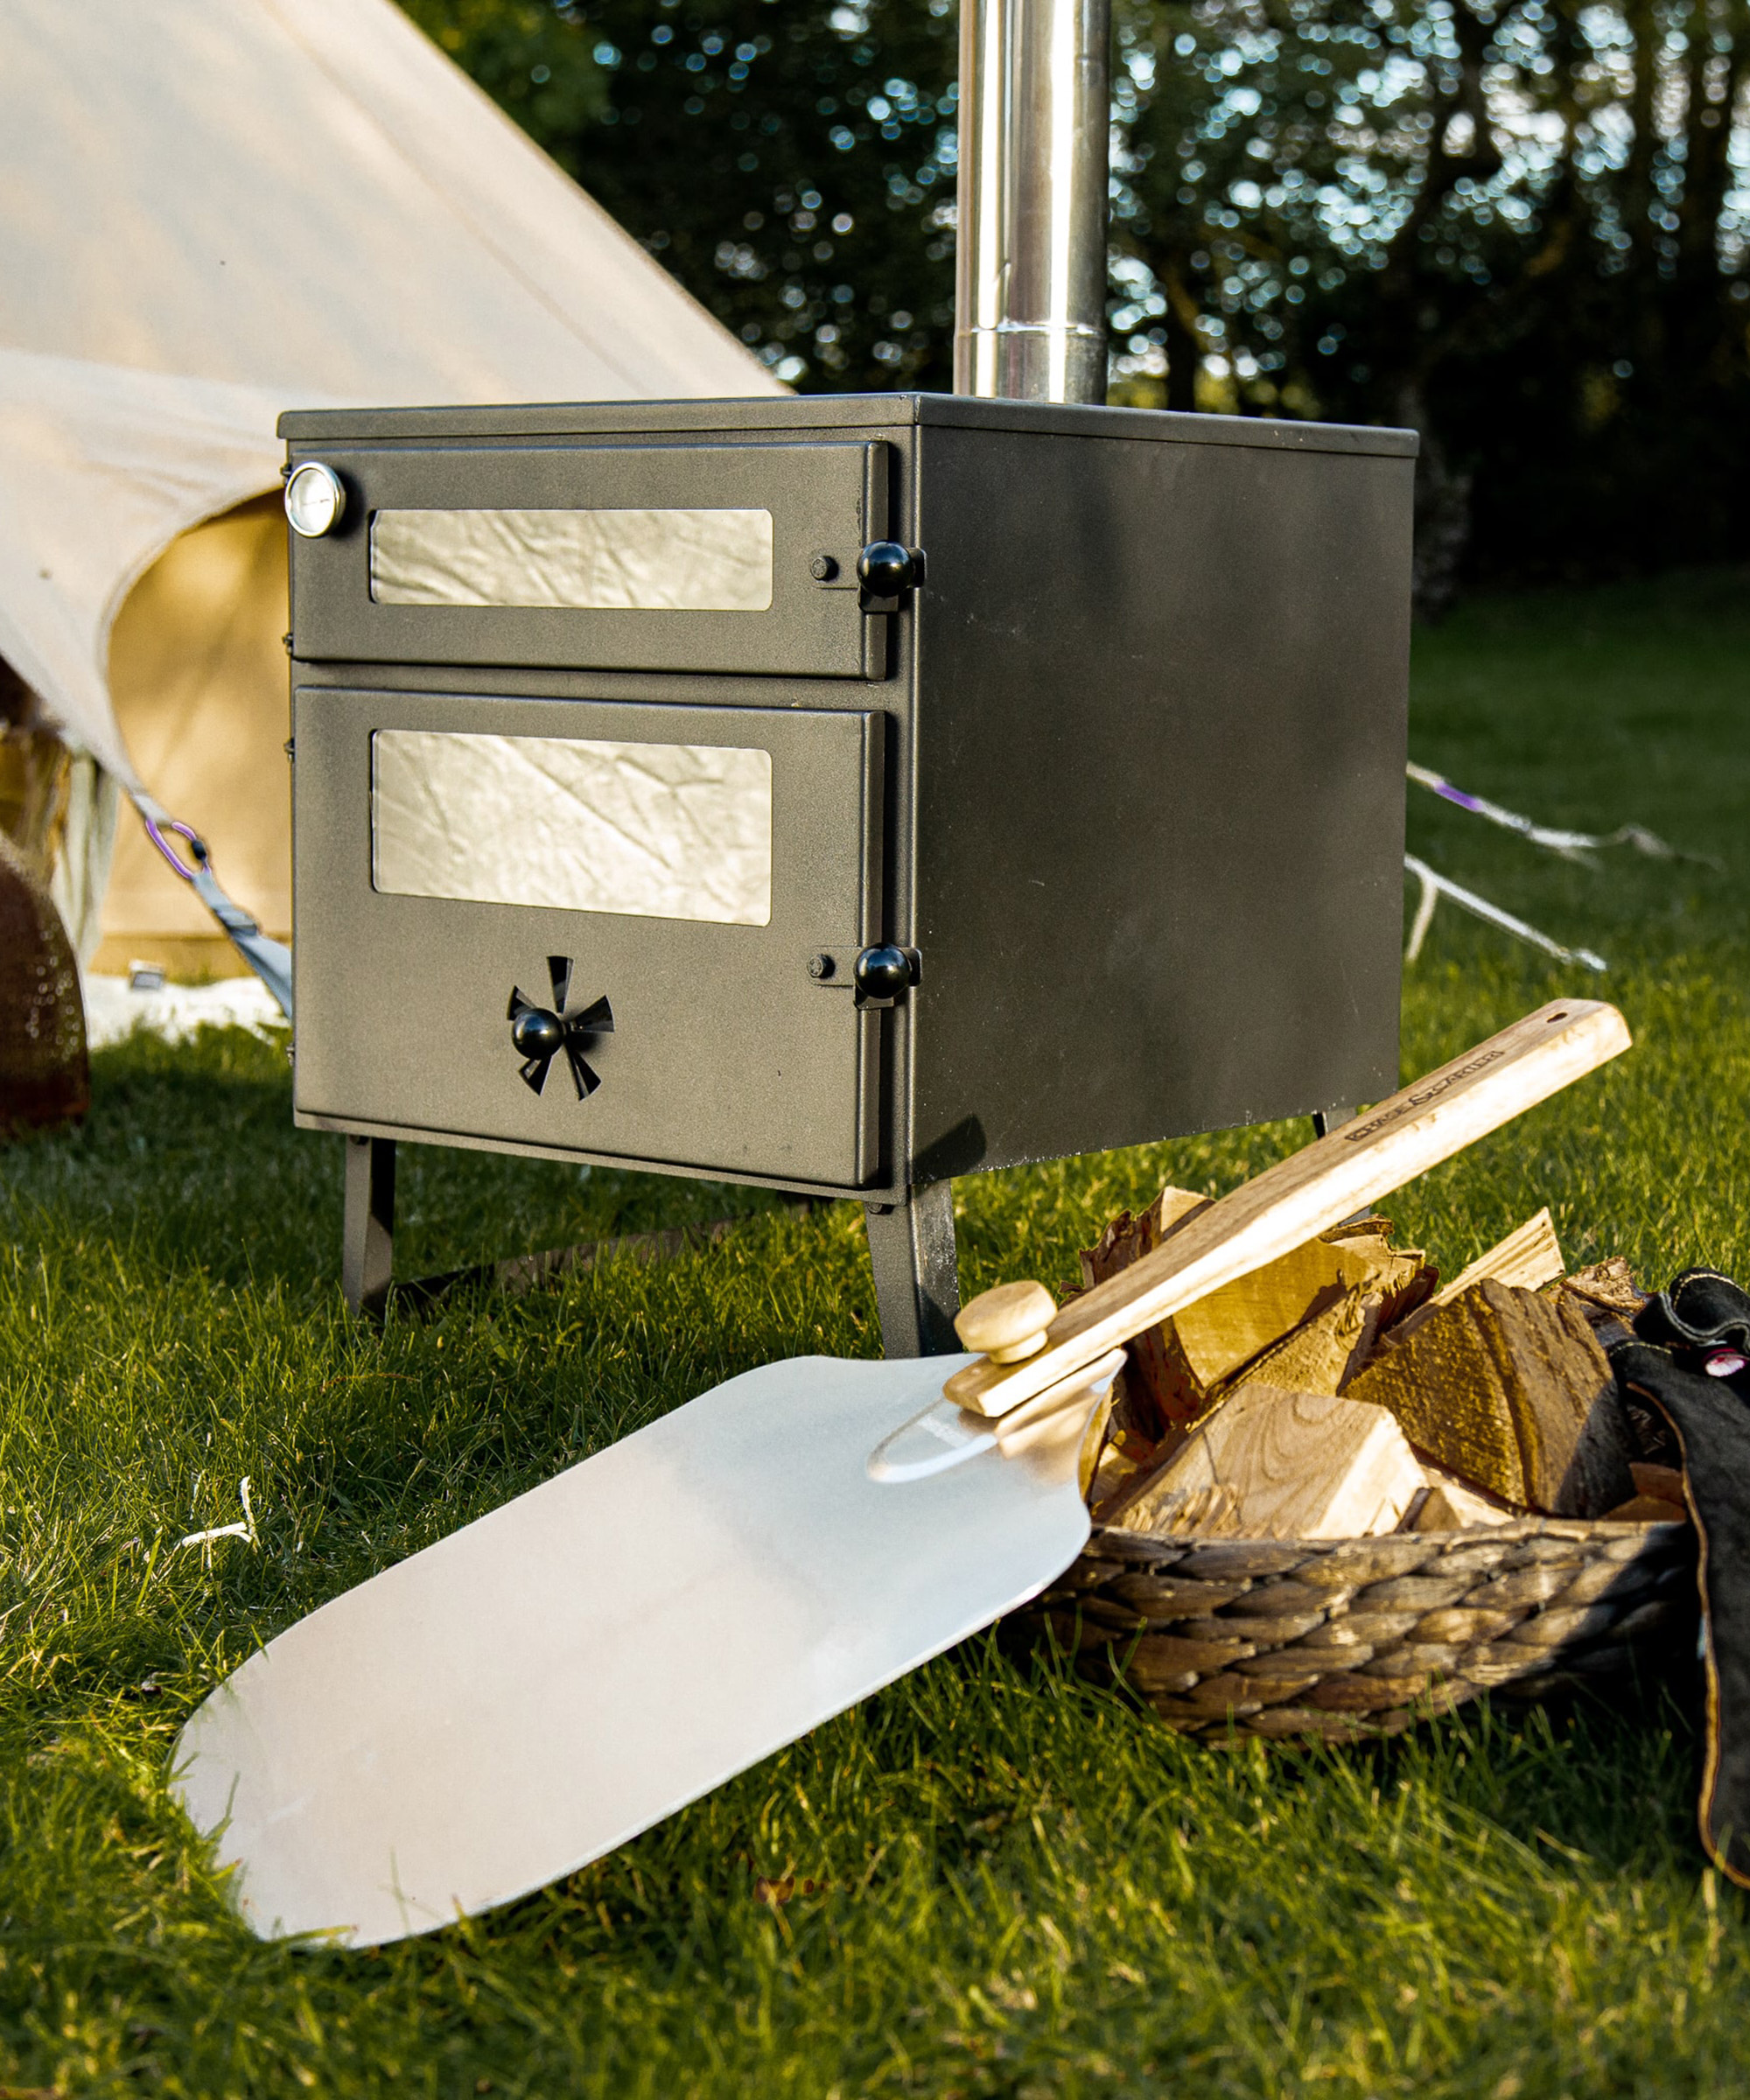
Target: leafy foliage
point(1514, 225)
point(1517, 226)
point(792, 166)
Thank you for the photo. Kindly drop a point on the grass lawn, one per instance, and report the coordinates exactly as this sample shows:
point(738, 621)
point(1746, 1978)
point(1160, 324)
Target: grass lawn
point(1022, 1886)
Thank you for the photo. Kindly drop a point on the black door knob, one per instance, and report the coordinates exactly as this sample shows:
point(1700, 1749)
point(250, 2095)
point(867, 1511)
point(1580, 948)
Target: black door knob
point(536, 1032)
point(884, 568)
point(884, 972)
point(539, 1033)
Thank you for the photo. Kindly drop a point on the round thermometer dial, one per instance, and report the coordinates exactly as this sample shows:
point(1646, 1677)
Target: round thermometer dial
point(315, 500)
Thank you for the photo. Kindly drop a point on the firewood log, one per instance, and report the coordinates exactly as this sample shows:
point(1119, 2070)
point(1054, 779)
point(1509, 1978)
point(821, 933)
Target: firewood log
point(1126, 1236)
point(1152, 1401)
point(1529, 1257)
point(1455, 1505)
point(1174, 1512)
point(1322, 1305)
point(1608, 1286)
point(1296, 1466)
point(1215, 1337)
point(1608, 1296)
point(1513, 1392)
point(1326, 1351)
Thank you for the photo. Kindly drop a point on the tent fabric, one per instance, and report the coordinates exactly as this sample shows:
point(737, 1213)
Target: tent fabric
point(100, 468)
point(198, 679)
point(213, 210)
point(308, 194)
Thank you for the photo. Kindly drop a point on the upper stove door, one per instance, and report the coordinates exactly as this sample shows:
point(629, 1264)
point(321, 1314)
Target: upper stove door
point(666, 557)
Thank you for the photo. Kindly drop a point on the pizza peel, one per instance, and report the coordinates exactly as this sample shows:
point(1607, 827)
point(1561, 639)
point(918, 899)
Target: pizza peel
point(540, 1687)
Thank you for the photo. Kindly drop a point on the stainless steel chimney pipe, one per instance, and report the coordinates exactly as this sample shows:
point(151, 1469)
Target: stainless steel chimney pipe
point(1030, 314)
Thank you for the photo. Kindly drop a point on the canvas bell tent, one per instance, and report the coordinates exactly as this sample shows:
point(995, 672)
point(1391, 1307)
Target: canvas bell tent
point(210, 211)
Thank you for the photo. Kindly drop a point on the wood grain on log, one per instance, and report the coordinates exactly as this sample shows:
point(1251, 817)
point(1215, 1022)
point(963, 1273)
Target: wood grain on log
point(1513, 1392)
point(1204, 1510)
point(1608, 1287)
point(1528, 1257)
point(1228, 1329)
point(1455, 1505)
point(1297, 1464)
point(1329, 1349)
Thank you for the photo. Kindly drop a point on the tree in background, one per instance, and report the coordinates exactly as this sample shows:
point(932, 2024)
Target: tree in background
point(1517, 226)
point(791, 162)
point(1514, 225)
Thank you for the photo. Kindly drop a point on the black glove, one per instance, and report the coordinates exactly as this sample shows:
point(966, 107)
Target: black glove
point(1688, 1360)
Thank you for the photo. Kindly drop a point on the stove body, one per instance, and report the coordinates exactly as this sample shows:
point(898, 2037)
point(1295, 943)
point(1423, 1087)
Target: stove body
point(591, 708)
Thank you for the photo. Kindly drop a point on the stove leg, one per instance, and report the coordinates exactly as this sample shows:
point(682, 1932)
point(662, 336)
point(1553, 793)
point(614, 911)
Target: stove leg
point(368, 1230)
point(917, 1280)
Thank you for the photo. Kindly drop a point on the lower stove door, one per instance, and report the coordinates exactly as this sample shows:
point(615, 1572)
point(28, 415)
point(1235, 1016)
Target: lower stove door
point(646, 888)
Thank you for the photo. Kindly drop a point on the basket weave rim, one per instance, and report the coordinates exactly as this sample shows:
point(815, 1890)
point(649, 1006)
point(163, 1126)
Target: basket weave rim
point(1229, 1637)
point(1581, 1530)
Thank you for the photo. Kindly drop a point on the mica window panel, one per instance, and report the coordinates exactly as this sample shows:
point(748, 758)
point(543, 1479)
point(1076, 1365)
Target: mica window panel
point(697, 560)
point(641, 829)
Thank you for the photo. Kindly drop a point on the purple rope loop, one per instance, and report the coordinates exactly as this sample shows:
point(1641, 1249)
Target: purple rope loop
point(197, 845)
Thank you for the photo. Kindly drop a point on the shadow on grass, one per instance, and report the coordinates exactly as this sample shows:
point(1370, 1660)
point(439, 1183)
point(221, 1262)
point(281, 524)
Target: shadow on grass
point(188, 1160)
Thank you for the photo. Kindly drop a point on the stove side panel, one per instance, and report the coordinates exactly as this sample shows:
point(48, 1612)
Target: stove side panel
point(1160, 738)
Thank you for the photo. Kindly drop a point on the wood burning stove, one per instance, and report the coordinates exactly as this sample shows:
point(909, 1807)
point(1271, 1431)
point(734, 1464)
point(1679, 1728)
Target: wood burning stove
point(840, 794)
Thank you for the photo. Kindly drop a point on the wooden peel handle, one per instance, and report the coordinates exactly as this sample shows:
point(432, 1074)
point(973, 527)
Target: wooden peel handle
point(1313, 1190)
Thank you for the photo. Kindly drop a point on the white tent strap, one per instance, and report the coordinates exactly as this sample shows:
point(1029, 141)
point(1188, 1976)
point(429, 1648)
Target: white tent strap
point(1571, 845)
point(269, 959)
point(1436, 886)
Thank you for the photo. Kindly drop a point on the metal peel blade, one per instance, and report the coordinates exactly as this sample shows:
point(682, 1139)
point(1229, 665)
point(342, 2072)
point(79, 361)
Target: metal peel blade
point(540, 1687)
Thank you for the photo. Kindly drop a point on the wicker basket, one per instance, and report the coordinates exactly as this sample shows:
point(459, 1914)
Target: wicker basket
point(1347, 1638)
